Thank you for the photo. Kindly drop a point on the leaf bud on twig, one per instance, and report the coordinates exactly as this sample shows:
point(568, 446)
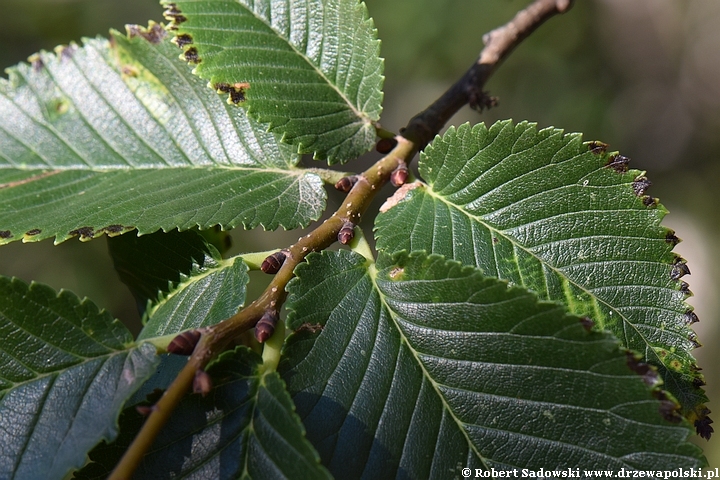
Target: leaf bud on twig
point(345, 184)
point(184, 343)
point(346, 233)
point(266, 326)
point(399, 176)
point(272, 263)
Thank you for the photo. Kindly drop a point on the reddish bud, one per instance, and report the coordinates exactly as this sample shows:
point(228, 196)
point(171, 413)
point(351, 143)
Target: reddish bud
point(345, 184)
point(184, 343)
point(266, 326)
point(346, 233)
point(273, 262)
point(145, 410)
point(202, 383)
point(399, 176)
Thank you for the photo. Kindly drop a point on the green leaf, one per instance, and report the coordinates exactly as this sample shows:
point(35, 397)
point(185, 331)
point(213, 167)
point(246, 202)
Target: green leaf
point(154, 264)
point(245, 428)
point(565, 219)
point(309, 68)
point(66, 370)
point(427, 367)
point(120, 135)
point(211, 294)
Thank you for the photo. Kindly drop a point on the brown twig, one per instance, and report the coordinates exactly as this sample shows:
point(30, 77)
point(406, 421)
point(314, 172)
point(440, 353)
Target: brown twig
point(469, 88)
point(215, 339)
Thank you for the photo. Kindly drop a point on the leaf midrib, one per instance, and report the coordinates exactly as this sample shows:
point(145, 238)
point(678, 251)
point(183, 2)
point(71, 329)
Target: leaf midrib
point(372, 272)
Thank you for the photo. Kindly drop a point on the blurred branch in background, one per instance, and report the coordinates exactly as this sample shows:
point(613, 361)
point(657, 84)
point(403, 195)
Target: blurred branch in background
point(642, 75)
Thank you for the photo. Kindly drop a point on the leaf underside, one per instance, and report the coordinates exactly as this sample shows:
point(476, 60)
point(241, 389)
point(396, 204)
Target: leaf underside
point(120, 135)
point(427, 367)
point(309, 68)
point(245, 428)
point(565, 219)
point(66, 370)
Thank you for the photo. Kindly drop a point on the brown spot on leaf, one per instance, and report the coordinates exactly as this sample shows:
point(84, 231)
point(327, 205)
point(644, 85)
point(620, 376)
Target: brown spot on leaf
point(397, 273)
point(34, 231)
point(495, 240)
point(111, 229)
point(671, 238)
point(587, 323)
point(648, 373)
point(310, 327)
point(685, 288)
point(702, 425)
point(597, 147)
point(36, 62)
point(65, 52)
point(173, 14)
point(669, 409)
point(153, 34)
point(191, 55)
point(182, 40)
point(650, 202)
point(690, 317)
point(236, 92)
point(640, 185)
point(85, 233)
point(618, 162)
point(679, 269)
point(129, 71)
point(5, 234)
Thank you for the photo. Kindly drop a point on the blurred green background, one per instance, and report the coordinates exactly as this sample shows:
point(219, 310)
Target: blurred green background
point(641, 75)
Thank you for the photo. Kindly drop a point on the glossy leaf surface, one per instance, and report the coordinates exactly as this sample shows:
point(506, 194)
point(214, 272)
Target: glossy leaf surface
point(120, 135)
point(245, 428)
point(66, 370)
point(427, 367)
point(309, 68)
point(565, 219)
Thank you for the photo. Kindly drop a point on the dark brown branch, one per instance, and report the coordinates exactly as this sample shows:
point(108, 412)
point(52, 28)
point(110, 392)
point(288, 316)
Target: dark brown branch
point(469, 89)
